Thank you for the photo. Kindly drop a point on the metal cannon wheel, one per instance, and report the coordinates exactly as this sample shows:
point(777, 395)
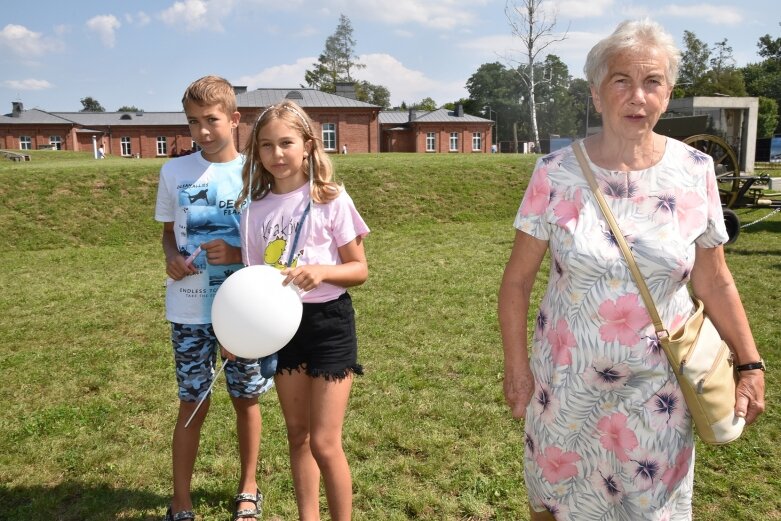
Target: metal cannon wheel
point(725, 161)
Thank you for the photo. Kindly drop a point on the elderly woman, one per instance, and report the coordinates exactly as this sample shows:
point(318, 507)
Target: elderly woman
point(608, 435)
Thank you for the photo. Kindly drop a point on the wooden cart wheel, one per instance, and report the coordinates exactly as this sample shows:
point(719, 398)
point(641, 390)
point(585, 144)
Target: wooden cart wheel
point(732, 223)
point(726, 162)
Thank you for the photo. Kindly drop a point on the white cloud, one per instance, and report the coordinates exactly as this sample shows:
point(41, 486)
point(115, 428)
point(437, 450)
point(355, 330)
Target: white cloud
point(286, 75)
point(197, 14)
point(578, 8)
point(444, 14)
point(21, 41)
point(714, 14)
point(140, 18)
point(105, 26)
point(407, 84)
point(403, 83)
point(28, 84)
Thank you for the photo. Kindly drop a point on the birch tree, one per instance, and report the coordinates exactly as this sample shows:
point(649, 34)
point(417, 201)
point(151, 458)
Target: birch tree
point(533, 26)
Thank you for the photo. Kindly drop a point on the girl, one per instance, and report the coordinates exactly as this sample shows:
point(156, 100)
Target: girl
point(303, 223)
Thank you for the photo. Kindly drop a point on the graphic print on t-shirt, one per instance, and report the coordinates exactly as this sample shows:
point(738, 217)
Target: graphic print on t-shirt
point(210, 215)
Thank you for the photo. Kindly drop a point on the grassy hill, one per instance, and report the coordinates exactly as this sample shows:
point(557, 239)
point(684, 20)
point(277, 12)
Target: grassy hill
point(89, 398)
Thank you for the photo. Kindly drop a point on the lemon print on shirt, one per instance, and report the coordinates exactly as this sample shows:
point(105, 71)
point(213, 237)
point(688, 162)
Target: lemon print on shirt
point(274, 252)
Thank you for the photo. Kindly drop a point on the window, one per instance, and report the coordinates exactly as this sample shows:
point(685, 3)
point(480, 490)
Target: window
point(55, 142)
point(125, 144)
point(329, 136)
point(454, 141)
point(477, 141)
point(194, 146)
point(431, 141)
point(162, 146)
point(25, 143)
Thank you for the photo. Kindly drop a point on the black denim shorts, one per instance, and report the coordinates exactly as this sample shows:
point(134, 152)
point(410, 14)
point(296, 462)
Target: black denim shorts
point(325, 344)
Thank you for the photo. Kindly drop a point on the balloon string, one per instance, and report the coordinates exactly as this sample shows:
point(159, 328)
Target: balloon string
point(208, 391)
point(245, 251)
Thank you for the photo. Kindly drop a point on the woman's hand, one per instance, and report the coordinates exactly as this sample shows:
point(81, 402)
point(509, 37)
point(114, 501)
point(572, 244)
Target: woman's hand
point(518, 390)
point(750, 395)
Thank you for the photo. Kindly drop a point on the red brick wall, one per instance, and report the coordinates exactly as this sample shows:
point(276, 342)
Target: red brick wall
point(357, 128)
point(414, 139)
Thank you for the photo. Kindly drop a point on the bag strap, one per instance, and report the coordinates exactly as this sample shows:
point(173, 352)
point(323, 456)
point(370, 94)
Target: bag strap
point(661, 331)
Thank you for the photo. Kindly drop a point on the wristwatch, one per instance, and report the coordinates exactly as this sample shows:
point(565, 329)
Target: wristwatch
point(751, 366)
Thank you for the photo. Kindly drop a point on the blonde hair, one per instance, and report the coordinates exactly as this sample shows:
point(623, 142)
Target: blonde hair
point(211, 90)
point(323, 188)
point(632, 36)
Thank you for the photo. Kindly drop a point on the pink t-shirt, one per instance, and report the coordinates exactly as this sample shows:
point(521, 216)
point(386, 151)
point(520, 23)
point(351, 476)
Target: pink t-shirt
point(269, 226)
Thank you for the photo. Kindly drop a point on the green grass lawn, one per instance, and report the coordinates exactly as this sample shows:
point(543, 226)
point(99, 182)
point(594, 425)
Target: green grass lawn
point(88, 395)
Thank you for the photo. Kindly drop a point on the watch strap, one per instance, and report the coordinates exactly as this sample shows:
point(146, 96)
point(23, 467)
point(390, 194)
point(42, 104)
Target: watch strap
point(751, 366)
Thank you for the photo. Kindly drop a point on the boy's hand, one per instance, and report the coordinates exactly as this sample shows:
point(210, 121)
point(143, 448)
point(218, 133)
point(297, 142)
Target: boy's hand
point(220, 252)
point(177, 268)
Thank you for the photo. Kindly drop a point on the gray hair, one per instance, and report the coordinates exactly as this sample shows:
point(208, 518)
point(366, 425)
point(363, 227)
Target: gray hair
point(632, 35)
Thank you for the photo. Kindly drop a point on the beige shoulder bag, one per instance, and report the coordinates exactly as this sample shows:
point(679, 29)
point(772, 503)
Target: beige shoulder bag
point(700, 359)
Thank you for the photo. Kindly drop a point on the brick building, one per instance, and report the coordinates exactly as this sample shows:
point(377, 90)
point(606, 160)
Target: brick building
point(341, 120)
point(442, 130)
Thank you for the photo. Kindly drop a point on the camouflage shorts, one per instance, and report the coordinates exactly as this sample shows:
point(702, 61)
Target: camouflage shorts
point(195, 357)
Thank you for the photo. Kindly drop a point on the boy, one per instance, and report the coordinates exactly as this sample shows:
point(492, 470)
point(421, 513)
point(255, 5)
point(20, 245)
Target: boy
point(195, 204)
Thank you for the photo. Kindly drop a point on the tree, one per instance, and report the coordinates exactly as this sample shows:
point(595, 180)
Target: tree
point(374, 94)
point(427, 103)
point(694, 65)
point(494, 88)
point(770, 48)
point(90, 104)
point(129, 108)
point(764, 79)
point(336, 61)
point(723, 77)
point(531, 25)
point(767, 120)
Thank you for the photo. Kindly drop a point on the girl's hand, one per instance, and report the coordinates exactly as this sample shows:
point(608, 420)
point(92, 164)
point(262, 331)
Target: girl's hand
point(306, 278)
point(227, 354)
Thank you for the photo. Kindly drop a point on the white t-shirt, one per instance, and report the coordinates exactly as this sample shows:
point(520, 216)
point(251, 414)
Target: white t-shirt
point(198, 197)
point(274, 220)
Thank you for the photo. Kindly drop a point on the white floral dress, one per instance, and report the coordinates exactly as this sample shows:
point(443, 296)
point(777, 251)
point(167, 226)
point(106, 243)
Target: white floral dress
point(608, 436)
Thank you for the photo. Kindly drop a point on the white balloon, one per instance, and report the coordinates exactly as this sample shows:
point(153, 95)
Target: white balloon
point(253, 314)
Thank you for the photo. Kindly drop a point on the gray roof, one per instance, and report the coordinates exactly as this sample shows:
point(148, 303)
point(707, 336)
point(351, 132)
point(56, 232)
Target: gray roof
point(100, 119)
point(398, 117)
point(302, 96)
point(35, 117)
point(125, 118)
point(449, 116)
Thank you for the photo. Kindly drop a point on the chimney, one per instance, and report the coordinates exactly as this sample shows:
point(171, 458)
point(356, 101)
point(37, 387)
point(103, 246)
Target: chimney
point(239, 89)
point(16, 109)
point(345, 89)
point(459, 110)
point(412, 114)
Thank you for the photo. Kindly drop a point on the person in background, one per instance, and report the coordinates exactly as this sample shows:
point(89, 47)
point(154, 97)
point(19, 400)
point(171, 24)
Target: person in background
point(195, 204)
point(607, 432)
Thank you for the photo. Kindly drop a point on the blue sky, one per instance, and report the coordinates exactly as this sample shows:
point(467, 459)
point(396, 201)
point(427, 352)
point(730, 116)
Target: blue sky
point(145, 52)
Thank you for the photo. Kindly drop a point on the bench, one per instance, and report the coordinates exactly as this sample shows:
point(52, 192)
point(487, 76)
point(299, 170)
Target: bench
point(15, 156)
